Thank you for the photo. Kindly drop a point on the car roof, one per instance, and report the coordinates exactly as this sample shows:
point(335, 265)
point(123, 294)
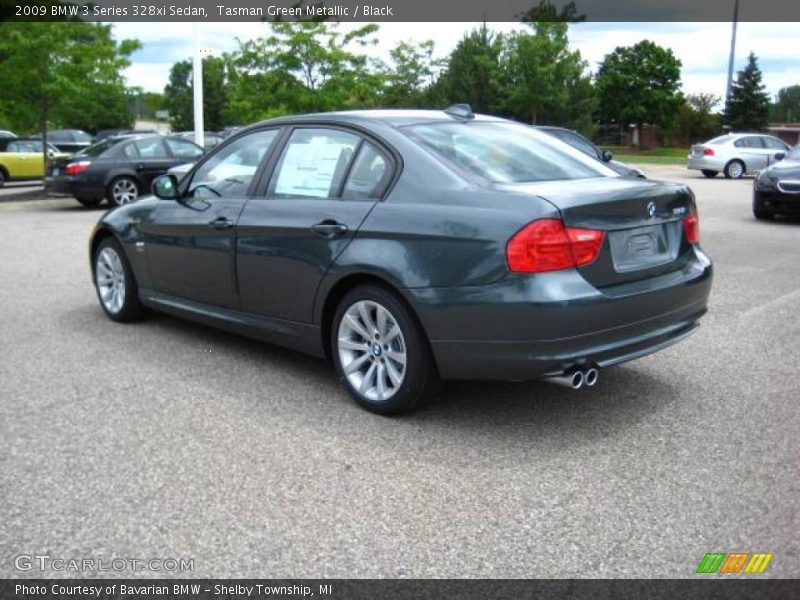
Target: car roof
point(392, 117)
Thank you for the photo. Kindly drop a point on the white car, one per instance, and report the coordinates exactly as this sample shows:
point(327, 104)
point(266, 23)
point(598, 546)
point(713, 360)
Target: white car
point(736, 154)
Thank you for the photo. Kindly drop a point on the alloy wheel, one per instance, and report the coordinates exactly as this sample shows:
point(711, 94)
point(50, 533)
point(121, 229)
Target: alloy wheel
point(124, 191)
point(372, 350)
point(110, 279)
point(735, 170)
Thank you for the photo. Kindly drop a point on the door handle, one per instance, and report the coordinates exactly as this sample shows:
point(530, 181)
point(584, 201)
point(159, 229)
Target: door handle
point(329, 228)
point(221, 223)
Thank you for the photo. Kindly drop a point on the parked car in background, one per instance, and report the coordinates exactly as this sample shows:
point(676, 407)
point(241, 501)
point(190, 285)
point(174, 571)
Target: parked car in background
point(229, 131)
point(22, 159)
point(118, 169)
point(4, 133)
point(68, 140)
point(582, 143)
point(735, 154)
point(412, 245)
point(210, 139)
point(776, 190)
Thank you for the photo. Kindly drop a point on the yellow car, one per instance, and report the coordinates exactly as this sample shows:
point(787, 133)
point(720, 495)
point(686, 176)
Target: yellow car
point(22, 159)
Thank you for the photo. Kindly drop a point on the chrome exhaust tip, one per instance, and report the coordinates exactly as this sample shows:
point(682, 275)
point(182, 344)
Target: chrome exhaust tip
point(572, 380)
point(591, 377)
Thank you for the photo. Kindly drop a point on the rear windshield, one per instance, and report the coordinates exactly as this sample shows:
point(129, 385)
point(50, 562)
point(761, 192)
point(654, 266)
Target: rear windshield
point(98, 148)
point(719, 140)
point(507, 152)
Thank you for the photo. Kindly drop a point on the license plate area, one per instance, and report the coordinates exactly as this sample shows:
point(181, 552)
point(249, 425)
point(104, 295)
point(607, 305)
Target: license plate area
point(644, 247)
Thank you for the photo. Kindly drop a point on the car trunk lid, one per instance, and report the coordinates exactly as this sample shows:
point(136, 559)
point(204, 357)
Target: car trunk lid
point(642, 221)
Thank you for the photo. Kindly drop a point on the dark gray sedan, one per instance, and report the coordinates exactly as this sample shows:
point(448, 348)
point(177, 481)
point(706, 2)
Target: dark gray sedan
point(413, 246)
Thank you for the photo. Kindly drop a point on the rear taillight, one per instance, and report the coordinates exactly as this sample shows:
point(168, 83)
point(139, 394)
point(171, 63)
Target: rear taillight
point(76, 168)
point(548, 245)
point(691, 225)
point(708, 152)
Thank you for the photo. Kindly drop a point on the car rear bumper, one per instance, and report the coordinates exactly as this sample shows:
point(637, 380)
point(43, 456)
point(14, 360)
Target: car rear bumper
point(704, 163)
point(528, 327)
point(777, 202)
point(72, 186)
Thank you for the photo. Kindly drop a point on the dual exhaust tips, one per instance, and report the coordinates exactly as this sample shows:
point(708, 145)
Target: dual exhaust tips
point(576, 378)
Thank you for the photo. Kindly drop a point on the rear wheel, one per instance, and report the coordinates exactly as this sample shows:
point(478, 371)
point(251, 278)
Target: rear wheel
point(380, 352)
point(710, 174)
point(115, 283)
point(734, 169)
point(123, 190)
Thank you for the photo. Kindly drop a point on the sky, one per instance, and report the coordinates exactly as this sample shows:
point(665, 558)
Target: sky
point(703, 48)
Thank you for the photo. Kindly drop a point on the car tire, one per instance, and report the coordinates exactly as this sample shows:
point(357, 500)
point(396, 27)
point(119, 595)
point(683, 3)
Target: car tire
point(709, 174)
point(734, 169)
point(380, 352)
point(89, 202)
point(115, 283)
point(2, 177)
point(122, 190)
point(763, 215)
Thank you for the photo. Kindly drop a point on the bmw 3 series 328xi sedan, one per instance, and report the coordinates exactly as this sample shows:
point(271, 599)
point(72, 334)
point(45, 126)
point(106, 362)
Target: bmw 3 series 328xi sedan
point(413, 246)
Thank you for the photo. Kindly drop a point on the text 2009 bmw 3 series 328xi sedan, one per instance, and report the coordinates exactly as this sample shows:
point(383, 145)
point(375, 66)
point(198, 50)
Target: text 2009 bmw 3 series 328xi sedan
point(413, 246)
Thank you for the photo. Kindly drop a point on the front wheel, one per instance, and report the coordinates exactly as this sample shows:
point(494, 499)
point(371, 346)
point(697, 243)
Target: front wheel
point(708, 173)
point(115, 284)
point(734, 169)
point(380, 352)
point(2, 178)
point(123, 190)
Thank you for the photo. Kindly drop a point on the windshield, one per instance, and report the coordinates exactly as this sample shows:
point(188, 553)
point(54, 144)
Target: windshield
point(503, 152)
point(794, 153)
point(719, 140)
point(96, 149)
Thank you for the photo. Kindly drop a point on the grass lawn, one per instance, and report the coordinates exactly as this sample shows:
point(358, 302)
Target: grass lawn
point(649, 156)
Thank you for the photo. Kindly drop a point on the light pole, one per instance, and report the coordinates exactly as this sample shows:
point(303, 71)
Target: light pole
point(733, 51)
point(197, 85)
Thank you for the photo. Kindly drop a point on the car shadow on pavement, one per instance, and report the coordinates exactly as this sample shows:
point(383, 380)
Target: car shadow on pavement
point(527, 413)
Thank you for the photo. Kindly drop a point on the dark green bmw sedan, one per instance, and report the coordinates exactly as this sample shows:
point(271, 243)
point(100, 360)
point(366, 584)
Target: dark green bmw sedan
point(413, 246)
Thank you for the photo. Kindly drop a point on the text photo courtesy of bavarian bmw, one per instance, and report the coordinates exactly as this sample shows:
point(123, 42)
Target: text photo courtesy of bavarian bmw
point(413, 246)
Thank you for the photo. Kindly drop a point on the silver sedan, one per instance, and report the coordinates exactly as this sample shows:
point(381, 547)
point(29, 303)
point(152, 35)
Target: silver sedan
point(736, 154)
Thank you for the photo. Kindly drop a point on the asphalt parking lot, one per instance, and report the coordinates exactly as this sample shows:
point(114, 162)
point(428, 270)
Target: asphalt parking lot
point(168, 439)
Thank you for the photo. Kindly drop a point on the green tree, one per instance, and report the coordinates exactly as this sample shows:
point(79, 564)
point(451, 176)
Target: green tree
point(787, 105)
point(410, 73)
point(303, 66)
point(639, 84)
point(696, 120)
point(748, 105)
point(63, 74)
point(474, 72)
point(546, 82)
point(178, 94)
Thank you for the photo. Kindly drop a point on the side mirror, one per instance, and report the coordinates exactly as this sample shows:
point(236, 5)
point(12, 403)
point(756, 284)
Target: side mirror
point(780, 156)
point(166, 187)
point(607, 156)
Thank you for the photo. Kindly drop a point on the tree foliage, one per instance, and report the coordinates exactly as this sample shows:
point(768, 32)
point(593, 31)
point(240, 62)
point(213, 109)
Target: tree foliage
point(178, 94)
point(474, 73)
point(63, 74)
point(787, 105)
point(747, 109)
point(696, 120)
point(639, 84)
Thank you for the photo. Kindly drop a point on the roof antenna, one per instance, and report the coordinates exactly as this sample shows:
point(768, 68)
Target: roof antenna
point(460, 111)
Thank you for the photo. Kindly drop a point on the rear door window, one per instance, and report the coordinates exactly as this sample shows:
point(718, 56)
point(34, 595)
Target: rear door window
point(314, 163)
point(152, 148)
point(184, 149)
